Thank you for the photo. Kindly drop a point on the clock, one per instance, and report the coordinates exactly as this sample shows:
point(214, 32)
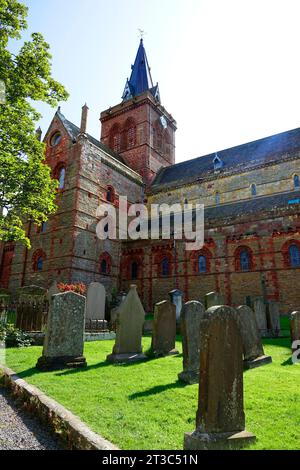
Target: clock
point(163, 122)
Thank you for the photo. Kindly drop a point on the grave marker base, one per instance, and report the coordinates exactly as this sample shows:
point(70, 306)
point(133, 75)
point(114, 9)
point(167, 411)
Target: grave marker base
point(189, 377)
point(258, 362)
point(58, 363)
point(223, 441)
point(125, 358)
point(173, 352)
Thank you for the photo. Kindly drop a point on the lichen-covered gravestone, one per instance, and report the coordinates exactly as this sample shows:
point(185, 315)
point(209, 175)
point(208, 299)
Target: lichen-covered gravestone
point(130, 321)
point(176, 299)
point(64, 341)
point(220, 421)
point(295, 329)
point(273, 318)
point(253, 350)
point(95, 302)
point(192, 314)
point(212, 299)
point(260, 310)
point(164, 329)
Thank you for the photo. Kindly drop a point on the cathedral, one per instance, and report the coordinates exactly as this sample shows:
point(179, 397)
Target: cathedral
point(251, 195)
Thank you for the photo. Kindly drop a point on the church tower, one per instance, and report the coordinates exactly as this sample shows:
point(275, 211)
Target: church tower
point(139, 128)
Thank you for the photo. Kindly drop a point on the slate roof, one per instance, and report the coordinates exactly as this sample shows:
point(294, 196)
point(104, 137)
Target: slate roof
point(74, 132)
point(140, 79)
point(242, 157)
point(252, 206)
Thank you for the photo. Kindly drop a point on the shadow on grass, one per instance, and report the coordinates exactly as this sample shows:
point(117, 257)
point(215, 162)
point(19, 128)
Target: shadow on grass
point(288, 362)
point(158, 389)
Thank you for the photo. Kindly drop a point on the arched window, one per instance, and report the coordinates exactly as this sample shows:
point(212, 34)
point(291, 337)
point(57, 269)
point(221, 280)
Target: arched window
point(115, 138)
point(129, 134)
point(218, 198)
point(39, 264)
point(296, 181)
point(61, 178)
point(110, 194)
point(294, 254)
point(202, 265)
point(253, 190)
point(165, 267)
point(103, 266)
point(134, 270)
point(244, 260)
point(38, 259)
point(44, 227)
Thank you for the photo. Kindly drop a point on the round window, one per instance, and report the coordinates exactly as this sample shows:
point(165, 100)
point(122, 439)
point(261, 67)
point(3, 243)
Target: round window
point(55, 139)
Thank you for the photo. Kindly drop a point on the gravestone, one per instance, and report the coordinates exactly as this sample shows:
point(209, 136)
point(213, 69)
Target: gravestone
point(295, 328)
point(95, 302)
point(220, 421)
point(260, 310)
point(253, 350)
point(53, 290)
point(176, 299)
point(213, 299)
point(164, 329)
point(129, 330)
point(273, 318)
point(192, 314)
point(64, 341)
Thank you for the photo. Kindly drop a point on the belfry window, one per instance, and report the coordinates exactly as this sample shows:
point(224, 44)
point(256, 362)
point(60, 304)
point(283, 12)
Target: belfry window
point(61, 178)
point(103, 266)
point(165, 267)
point(39, 264)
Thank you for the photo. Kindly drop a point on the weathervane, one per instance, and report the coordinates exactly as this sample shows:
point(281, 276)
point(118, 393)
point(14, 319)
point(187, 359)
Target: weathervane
point(142, 33)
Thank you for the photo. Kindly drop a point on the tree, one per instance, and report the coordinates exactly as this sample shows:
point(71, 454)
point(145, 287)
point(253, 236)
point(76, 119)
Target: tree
point(27, 192)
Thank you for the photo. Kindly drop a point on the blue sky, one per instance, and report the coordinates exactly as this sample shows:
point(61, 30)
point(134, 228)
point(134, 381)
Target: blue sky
point(228, 70)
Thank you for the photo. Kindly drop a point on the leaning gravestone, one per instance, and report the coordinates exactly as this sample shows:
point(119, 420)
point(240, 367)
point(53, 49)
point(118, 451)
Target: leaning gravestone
point(95, 302)
point(130, 321)
point(64, 341)
point(253, 350)
point(192, 314)
point(220, 421)
point(295, 328)
point(53, 290)
point(260, 310)
point(213, 299)
point(164, 329)
point(273, 318)
point(176, 299)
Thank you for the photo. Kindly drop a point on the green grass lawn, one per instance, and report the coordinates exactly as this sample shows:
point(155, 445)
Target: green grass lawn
point(143, 406)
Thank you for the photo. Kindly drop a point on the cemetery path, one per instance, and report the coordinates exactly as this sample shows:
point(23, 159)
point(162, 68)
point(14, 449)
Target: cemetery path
point(21, 431)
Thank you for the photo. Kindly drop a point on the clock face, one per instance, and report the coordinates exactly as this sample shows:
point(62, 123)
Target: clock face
point(163, 122)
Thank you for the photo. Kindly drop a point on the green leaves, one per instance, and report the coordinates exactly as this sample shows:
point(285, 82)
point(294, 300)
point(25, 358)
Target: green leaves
point(27, 192)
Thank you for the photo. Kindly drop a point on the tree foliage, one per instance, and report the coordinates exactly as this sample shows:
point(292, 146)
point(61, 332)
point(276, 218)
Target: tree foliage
point(27, 191)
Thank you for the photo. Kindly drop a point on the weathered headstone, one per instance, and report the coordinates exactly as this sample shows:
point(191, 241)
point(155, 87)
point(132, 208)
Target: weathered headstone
point(95, 302)
point(176, 299)
point(53, 290)
point(295, 328)
point(253, 350)
point(64, 341)
point(213, 299)
point(220, 421)
point(192, 314)
point(130, 320)
point(273, 318)
point(164, 329)
point(260, 310)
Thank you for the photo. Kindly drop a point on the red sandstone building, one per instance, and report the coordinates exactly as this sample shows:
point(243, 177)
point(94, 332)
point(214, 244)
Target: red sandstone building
point(251, 194)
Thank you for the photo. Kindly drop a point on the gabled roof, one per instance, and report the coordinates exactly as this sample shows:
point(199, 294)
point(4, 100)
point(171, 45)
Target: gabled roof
point(140, 79)
point(240, 158)
point(74, 132)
